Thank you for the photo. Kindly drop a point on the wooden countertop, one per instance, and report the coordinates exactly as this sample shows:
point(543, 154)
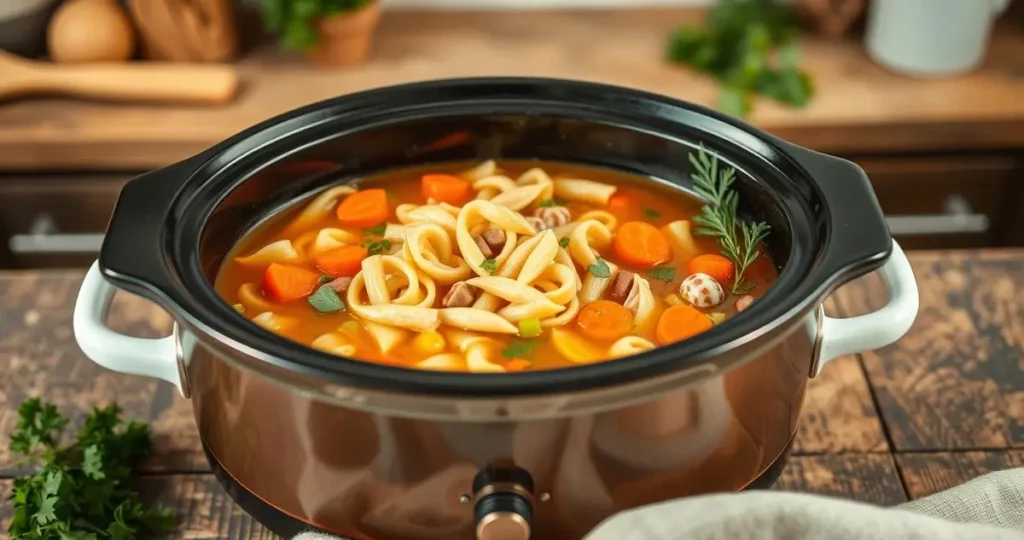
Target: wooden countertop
point(940, 407)
point(859, 108)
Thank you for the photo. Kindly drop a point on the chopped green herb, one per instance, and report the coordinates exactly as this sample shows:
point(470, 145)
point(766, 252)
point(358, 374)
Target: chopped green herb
point(378, 230)
point(81, 491)
point(324, 279)
point(651, 213)
point(600, 269)
point(664, 273)
point(519, 348)
point(564, 241)
point(239, 308)
point(490, 265)
point(326, 300)
point(552, 202)
point(376, 248)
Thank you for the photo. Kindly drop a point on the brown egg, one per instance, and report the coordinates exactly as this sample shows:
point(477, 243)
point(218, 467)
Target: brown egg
point(91, 31)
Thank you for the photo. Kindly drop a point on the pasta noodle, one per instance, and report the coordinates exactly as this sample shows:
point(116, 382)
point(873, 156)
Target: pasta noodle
point(431, 249)
point(586, 191)
point(274, 322)
point(251, 298)
point(588, 237)
point(477, 319)
point(641, 300)
point(335, 343)
point(594, 287)
point(328, 239)
point(386, 336)
point(318, 208)
point(443, 362)
point(628, 346)
point(281, 251)
point(479, 211)
point(410, 214)
point(606, 218)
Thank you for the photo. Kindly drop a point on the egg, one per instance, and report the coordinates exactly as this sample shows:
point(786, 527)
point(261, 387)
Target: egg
point(90, 31)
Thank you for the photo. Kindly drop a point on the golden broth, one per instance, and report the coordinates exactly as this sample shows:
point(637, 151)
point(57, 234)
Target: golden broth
point(648, 201)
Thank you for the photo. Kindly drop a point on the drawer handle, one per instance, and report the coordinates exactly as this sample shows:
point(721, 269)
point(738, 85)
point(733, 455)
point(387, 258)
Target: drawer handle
point(43, 238)
point(958, 219)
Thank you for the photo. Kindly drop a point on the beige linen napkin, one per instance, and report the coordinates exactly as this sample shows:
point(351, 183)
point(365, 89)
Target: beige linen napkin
point(987, 508)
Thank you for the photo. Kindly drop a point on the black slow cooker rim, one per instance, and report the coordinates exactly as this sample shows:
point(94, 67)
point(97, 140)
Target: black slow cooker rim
point(191, 296)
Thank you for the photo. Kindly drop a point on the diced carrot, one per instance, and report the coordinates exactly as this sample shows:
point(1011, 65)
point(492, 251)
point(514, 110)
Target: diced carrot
point(641, 244)
point(446, 188)
point(713, 265)
point(364, 209)
point(619, 203)
point(517, 365)
point(680, 322)
point(286, 283)
point(604, 320)
point(345, 261)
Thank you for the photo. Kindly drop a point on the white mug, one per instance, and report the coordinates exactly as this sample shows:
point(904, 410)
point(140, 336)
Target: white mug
point(930, 37)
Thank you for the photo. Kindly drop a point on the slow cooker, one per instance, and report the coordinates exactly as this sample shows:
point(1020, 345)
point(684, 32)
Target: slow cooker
point(306, 440)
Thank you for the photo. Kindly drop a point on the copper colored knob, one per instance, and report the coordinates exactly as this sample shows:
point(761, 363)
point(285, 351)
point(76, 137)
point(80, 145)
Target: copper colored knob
point(503, 526)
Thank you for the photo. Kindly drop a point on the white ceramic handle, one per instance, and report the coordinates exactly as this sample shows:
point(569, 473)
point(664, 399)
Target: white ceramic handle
point(880, 328)
point(155, 358)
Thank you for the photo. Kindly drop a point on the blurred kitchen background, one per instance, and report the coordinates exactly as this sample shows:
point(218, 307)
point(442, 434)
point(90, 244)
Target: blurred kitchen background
point(926, 95)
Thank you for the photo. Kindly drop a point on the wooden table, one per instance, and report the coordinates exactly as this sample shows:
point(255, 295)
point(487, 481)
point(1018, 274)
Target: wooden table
point(943, 405)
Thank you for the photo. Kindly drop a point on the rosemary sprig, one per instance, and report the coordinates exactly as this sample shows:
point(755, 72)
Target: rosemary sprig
point(718, 217)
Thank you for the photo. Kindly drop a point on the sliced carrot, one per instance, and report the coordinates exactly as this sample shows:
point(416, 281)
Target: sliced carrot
point(604, 320)
point(713, 265)
point(446, 188)
point(641, 244)
point(619, 203)
point(286, 283)
point(345, 261)
point(517, 365)
point(364, 209)
point(680, 322)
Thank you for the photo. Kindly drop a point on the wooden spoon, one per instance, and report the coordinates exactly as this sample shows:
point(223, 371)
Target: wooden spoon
point(148, 81)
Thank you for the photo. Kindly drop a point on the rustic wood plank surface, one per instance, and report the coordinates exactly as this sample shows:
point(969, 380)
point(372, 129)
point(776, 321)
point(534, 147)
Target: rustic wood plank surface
point(955, 381)
point(936, 409)
point(858, 107)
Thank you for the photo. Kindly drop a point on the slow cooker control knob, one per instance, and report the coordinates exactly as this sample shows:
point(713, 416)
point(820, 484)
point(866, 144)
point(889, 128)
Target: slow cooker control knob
point(503, 508)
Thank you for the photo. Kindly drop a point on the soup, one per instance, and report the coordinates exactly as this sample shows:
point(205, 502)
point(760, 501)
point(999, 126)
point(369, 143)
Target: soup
point(500, 267)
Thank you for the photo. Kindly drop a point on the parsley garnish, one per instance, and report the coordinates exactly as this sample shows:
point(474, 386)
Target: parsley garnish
point(564, 241)
point(551, 202)
point(600, 269)
point(326, 300)
point(718, 217)
point(651, 213)
point(518, 348)
point(378, 230)
point(81, 491)
point(490, 265)
point(664, 273)
point(324, 279)
point(376, 248)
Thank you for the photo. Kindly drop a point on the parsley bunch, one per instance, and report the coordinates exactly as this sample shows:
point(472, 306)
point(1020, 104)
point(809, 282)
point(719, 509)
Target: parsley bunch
point(736, 47)
point(81, 491)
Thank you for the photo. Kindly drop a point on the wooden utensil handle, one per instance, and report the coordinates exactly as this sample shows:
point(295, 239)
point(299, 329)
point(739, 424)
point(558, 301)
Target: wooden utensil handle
point(142, 82)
